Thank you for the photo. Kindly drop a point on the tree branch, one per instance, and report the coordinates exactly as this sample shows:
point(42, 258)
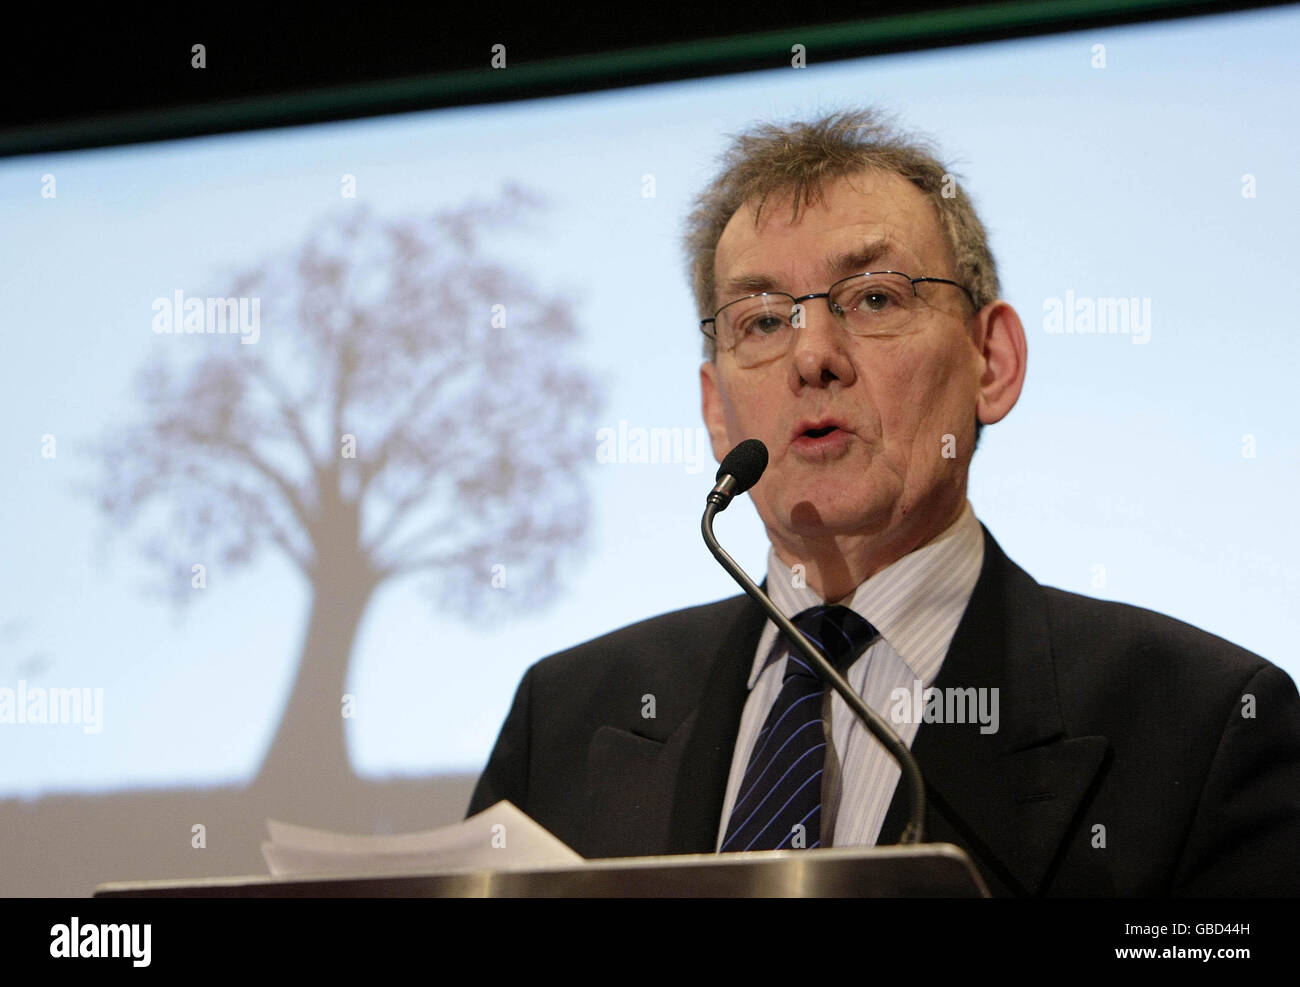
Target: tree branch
point(263, 519)
point(412, 544)
point(373, 466)
point(402, 507)
point(343, 372)
point(250, 456)
point(422, 562)
point(288, 413)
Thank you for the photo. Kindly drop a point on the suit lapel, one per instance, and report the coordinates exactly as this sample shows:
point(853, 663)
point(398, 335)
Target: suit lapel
point(657, 785)
point(1008, 797)
point(708, 747)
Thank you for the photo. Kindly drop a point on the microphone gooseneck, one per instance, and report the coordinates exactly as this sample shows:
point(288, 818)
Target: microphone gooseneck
point(739, 471)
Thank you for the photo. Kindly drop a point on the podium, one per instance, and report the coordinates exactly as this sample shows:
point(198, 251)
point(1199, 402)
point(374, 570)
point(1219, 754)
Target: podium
point(930, 870)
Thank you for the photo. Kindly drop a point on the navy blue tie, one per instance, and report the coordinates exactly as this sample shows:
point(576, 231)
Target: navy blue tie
point(780, 797)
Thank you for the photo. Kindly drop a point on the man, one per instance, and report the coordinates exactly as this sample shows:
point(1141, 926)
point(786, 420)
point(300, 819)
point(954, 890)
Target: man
point(851, 307)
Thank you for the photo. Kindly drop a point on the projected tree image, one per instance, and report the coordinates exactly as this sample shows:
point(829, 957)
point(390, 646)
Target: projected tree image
point(411, 406)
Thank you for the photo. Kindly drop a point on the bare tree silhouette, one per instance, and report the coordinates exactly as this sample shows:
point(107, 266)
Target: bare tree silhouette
point(390, 420)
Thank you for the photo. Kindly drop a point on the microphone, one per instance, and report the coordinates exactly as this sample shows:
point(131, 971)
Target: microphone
point(739, 471)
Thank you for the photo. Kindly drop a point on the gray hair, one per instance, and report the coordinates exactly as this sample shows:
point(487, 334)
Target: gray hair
point(799, 159)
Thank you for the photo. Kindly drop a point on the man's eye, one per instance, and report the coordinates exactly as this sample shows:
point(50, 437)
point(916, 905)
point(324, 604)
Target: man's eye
point(764, 325)
point(874, 301)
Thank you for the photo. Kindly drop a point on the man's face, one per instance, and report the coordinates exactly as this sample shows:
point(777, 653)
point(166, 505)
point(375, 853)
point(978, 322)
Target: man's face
point(881, 474)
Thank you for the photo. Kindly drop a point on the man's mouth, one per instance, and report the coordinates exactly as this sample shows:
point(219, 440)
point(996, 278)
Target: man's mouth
point(816, 428)
point(820, 438)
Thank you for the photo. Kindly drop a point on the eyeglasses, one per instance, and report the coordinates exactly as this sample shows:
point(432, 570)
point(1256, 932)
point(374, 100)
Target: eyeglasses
point(759, 328)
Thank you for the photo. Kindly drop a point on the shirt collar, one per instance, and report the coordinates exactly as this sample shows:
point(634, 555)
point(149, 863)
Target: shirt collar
point(915, 603)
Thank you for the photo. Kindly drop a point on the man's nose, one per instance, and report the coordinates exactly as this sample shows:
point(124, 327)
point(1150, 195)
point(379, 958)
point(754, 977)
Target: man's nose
point(820, 352)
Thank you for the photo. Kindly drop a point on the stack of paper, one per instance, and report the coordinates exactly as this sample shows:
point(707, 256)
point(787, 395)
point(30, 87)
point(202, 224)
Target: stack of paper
point(498, 838)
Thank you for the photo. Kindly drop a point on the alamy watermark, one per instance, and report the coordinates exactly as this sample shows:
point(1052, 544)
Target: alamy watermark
point(678, 446)
point(234, 316)
point(949, 705)
point(1085, 315)
point(105, 940)
point(39, 705)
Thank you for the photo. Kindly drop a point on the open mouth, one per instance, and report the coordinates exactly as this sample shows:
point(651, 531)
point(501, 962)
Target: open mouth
point(821, 436)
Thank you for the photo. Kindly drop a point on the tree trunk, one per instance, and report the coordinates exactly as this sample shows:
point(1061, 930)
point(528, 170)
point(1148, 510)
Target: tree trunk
point(309, 750)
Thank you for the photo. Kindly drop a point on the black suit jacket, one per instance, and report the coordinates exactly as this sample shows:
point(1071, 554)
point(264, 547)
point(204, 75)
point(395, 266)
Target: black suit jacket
point(1123, 764)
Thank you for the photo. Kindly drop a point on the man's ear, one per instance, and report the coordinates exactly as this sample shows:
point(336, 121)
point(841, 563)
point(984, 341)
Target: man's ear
point(711, 405)
point(1001, 340)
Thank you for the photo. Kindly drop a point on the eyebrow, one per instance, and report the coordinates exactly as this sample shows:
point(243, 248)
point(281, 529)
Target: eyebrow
point(853, 261)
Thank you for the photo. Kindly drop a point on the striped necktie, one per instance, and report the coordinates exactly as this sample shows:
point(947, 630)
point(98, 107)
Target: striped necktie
point(779, 802)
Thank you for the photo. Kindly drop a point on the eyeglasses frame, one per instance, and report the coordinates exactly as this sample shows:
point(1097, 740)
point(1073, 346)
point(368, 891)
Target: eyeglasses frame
point(796, 301)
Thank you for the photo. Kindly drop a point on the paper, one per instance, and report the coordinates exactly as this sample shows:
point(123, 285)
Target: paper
point(500, 837)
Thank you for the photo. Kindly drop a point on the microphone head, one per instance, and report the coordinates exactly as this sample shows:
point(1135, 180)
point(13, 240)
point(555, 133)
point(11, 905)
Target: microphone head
point(746, 463)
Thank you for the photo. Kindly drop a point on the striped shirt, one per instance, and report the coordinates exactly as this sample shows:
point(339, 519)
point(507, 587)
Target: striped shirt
point(916, 604)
